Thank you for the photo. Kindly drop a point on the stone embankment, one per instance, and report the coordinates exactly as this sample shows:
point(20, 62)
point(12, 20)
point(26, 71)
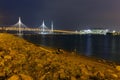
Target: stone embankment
point(21, 60)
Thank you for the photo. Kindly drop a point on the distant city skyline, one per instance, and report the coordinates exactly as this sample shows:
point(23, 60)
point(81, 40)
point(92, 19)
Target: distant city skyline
point(66, 14)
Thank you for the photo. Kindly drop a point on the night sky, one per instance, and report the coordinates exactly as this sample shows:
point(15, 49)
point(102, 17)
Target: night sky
point(66, 14)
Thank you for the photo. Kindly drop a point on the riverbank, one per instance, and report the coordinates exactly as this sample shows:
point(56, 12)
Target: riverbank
point(20, 59)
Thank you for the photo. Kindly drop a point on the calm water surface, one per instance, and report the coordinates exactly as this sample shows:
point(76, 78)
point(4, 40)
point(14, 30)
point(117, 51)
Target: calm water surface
point(100, 46)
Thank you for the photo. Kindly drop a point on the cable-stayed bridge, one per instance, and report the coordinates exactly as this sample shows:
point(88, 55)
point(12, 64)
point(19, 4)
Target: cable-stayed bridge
point(20, 27)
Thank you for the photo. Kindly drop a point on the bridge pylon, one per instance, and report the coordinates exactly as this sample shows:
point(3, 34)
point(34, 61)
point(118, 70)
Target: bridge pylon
point(20, 26)
point(20, 31)
point(52, 26)
point(43, 29)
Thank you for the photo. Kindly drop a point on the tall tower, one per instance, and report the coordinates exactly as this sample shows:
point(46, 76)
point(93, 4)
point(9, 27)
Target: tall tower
point(52, 26)
point(43, 26)
point(20, 26)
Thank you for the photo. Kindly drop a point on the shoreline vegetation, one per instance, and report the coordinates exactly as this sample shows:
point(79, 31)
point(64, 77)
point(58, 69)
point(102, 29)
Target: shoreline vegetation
point(22, 60)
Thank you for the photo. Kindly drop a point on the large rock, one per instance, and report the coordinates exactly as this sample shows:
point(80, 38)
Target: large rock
point(25, 77)
point(118, 68)
point(14, 77)
point(20, 77)
point(114, 76)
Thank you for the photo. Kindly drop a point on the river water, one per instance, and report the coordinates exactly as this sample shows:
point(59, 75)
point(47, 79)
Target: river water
point(100, 46)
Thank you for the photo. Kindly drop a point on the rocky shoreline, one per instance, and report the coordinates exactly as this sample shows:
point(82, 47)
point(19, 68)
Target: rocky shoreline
point(21, 60)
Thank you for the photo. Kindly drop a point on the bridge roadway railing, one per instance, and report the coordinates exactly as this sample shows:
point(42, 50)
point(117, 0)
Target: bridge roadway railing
point(35, 30)
point(16, 29)
point(22, 29)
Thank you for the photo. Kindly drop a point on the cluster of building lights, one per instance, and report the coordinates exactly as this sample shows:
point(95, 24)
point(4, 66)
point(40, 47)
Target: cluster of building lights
point(94, 31)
